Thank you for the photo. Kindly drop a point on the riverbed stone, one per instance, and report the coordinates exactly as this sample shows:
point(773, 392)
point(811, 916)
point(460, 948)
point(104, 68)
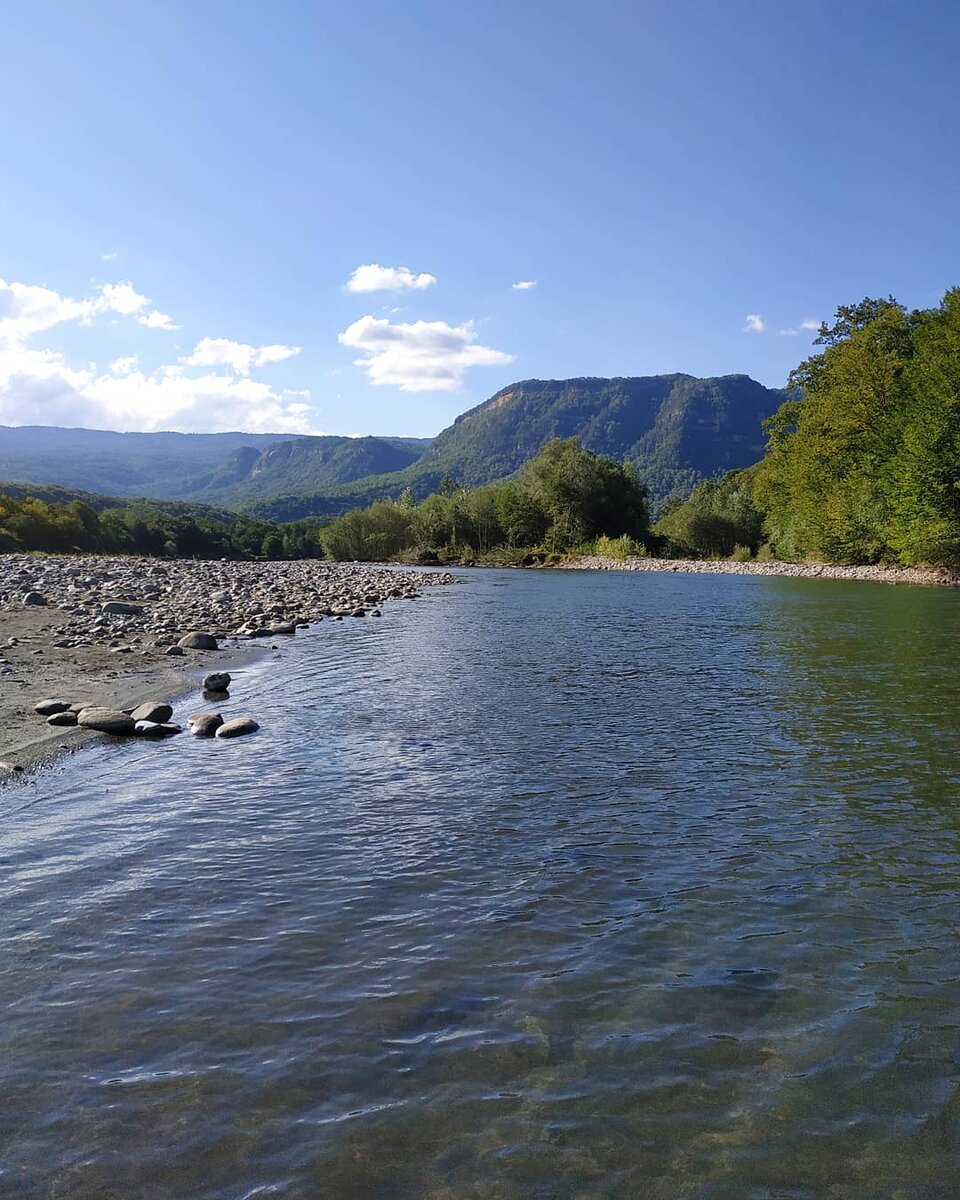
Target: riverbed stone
point(155, 711)
point(65, 718)
point(34, 598)
point(217, 681)
point(204, 724)
point(237, 727)
point(149, 729)
point(198, 641)
point(106, 720)
point(121, 608)
point(47, 708)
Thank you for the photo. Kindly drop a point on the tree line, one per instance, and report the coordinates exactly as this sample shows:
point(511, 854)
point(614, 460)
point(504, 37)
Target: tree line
point(564, 498)
point(29, 522)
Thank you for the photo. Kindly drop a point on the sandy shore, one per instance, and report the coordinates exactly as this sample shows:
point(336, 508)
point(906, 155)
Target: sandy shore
point(58, 642)
point(921, 576)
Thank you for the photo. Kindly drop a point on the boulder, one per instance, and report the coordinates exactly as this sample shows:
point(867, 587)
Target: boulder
point(198, 641)
point(153, 711)
point(174, 651)
point(106, 720)
point(46, 708)
point(237, 727)
point(218, 681)
point(204, 724)
point(34, 598)
point(121, 608)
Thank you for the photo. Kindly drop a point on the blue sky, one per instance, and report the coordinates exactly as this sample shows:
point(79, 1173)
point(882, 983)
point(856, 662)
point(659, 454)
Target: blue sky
point(190, 187)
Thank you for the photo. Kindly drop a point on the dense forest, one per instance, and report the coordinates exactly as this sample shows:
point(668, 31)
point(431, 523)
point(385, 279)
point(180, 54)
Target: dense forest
point(863, 459)
point(60, 525)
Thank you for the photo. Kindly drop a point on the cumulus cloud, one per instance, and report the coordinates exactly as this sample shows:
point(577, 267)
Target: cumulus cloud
point(26, 309)
point(524, 285)
point(157, 320)
point(754, 323)
point(425, 356)
point(371, 277)
point(238, 356)
point(39, 386)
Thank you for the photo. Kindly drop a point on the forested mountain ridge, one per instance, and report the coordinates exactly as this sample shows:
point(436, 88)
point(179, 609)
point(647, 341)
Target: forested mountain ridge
point(674, 429)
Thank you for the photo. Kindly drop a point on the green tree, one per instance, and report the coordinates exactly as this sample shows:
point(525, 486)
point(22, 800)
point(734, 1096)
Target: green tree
point(585, 495)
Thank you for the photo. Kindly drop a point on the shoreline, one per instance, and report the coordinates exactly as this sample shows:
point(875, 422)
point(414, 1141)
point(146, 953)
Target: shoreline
point(66, 646)
point(915, 576)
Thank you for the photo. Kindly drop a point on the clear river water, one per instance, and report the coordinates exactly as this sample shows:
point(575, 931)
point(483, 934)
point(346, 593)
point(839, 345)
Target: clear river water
point(547, 885)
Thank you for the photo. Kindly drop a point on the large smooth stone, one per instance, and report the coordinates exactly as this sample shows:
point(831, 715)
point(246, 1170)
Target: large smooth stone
point(106, 720)
point(198, 641)
point(46, 708)
point(204, 724)
point(219, 681)
point(34, 598)
point(237, 727)
point(121, 608)
point(65, 718)
point(154, 711)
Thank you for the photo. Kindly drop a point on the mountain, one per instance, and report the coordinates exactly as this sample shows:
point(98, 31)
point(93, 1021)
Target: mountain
point(210, 467)
point(675, 429)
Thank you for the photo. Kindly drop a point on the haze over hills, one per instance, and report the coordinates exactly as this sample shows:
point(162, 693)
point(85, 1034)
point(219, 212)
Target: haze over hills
point(675, 429)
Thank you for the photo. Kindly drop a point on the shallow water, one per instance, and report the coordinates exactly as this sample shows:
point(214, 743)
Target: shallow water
point(549, 885)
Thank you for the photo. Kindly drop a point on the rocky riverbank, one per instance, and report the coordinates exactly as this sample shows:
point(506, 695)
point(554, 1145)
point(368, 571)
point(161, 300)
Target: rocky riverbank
point(117, 631)
point(923, 576)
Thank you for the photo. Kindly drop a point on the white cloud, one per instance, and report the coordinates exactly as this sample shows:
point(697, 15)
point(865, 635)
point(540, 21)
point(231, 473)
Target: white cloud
point(755, 323)
point(110, 256)
point(523, 285)
point(373, 278)
point(426, 356)
point(39, 386)
point(26, 309)
point(239, 357)
point(157, 320)
point(809, 325)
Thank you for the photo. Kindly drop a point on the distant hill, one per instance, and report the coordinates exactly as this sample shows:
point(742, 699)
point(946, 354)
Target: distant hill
point(211, 467)
point(675, 429)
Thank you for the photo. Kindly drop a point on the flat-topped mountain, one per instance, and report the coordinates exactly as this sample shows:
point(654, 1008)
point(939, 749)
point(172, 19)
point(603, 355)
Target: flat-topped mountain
point(675, 429)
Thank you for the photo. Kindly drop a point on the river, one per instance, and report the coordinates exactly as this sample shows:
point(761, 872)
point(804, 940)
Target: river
point(550, 884)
